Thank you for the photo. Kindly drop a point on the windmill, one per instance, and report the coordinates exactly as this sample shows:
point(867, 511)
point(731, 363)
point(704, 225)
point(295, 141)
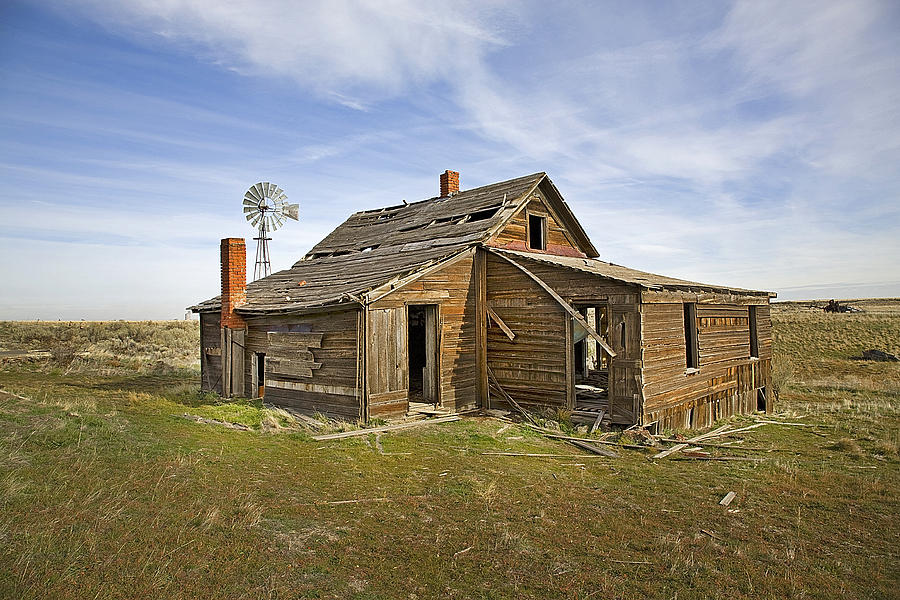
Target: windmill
point(266, 207)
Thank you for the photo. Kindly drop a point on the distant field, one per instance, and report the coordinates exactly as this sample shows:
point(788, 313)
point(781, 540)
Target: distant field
point(106, 492)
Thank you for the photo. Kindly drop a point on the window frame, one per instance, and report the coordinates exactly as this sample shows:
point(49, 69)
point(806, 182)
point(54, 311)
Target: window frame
point(691, 338)
point(528, 230)
point(753, 326)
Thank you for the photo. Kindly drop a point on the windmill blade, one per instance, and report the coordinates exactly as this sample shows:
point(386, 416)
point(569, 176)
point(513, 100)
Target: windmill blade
point(253, 194)
point(255, 220)
point(251, 209)
point(265, 189)
point(259, 190)
point(292, 211)
point(279, 219)
point(250, 201)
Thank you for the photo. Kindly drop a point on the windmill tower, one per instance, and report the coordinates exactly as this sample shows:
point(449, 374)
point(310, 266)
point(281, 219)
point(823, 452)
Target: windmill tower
point(266, 207)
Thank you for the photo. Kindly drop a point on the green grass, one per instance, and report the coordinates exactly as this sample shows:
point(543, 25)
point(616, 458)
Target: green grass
point(106, 492)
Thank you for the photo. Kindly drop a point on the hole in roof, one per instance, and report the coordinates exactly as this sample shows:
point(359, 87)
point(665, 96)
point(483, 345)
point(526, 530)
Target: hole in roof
point(483, 215)
point(369, 248)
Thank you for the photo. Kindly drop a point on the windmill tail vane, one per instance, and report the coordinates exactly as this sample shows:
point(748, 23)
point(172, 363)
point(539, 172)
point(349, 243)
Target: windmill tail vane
point(267, 209)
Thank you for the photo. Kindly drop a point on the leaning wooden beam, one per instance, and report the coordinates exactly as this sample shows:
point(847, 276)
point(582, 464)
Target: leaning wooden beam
point(507, 397)
point(503, 327)
point(346, 434)
point(568, 307)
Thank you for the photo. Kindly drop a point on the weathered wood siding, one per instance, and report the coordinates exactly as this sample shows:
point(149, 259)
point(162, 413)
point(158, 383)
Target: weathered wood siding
point(534, 368)
point(452, 288)
point(727, 380)
point(211, 352)
point(514, 235)
point(311, 361)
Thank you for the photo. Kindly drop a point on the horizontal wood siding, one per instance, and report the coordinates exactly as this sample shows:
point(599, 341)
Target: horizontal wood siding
point(514, 235)
point(533, 368)
point(452, 288)
point(311, 361)
point(211, 352)
point(727, 380)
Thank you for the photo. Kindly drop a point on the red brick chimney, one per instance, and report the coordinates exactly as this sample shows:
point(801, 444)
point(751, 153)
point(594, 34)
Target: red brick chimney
point(449, 183)
point(234, 281)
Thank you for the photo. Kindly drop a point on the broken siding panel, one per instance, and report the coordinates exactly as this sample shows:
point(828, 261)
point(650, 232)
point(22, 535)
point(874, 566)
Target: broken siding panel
point(514, 234)
point(452, 288)
point(311, 361)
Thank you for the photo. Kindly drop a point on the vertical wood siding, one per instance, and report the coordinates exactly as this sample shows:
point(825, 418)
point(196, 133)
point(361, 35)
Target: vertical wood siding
point(211, 352)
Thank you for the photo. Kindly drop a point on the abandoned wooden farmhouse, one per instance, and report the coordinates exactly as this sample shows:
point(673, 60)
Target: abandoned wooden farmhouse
point(473, 297)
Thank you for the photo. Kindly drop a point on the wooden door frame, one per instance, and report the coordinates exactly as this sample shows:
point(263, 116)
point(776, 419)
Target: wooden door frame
point(437, 353)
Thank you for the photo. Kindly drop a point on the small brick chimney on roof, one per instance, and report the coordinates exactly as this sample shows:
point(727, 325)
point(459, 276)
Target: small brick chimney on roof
point(449, 183)
point(234, 281)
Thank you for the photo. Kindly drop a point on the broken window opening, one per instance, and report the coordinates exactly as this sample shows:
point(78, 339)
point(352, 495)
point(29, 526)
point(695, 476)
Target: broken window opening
point(691, 342)
point(754, 339)
point(260, 374)
point(537, 232)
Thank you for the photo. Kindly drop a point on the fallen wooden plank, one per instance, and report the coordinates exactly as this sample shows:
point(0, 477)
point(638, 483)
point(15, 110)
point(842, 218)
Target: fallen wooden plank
point(556, 436)
point(672, 450)
point(347, 434)
point(199, 419)
point(723, 458)
point(592, 448)
point(597, 422)
point(783, 423)
point(540, 455)
point(727, 499)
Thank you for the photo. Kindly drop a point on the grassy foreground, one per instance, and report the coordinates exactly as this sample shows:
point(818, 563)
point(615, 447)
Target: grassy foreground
point(106, 492)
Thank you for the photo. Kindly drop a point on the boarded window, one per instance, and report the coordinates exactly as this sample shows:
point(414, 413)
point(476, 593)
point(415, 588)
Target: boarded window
point(691, 345)
point(537, 232)
point(754, 339)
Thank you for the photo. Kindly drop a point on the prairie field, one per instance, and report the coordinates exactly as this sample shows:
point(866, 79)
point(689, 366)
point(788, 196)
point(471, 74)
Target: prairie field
point(107, 491)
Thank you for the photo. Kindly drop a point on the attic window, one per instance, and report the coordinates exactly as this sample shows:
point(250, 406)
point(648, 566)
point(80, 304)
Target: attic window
point(537, 232)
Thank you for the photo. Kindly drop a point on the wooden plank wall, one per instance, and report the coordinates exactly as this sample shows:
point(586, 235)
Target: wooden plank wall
point(533, 368)
point(727, 380)
point(453, 289)
point(331, 388)
point(514, 235)
point(211, 352)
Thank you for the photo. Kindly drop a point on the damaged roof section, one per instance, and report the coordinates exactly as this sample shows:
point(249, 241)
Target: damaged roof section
point(461, 219)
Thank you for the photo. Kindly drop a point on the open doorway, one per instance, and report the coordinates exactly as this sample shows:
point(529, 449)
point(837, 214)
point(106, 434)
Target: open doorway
point(422, 350)
point(591, 362)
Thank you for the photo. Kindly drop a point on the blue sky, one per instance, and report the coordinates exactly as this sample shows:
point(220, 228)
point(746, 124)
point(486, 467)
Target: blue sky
point(755, 144)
